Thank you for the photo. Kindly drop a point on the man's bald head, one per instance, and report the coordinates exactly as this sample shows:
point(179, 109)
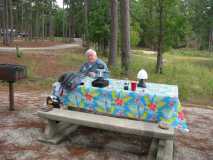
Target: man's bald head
point(90, 51)
point(91, 55)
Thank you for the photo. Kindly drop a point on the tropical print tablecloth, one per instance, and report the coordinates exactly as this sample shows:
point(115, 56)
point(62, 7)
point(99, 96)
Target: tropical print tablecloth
point(157, 102)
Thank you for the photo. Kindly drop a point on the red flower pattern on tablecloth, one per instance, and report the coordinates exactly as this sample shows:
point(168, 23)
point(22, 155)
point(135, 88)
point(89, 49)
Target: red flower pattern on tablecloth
point(171, 104)
point(152, 106)
point(181, 115)
point(119, 102)
point(88, 96)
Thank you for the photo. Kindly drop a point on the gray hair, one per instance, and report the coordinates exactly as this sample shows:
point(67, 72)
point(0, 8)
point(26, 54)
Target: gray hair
point(90, 51)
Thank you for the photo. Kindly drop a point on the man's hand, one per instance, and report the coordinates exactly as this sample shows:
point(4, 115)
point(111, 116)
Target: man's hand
point(92, 74)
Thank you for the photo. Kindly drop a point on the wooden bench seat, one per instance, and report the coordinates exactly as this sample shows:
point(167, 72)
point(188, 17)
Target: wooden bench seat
point(73, 119)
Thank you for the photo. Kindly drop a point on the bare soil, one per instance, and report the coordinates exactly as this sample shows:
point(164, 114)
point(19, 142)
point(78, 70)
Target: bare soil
point(44, 65)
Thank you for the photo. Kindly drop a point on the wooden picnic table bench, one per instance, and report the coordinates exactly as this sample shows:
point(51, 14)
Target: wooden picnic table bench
point(62, 122)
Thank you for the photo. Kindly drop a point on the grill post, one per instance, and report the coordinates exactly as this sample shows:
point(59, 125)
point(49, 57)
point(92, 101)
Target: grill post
point(11, 96)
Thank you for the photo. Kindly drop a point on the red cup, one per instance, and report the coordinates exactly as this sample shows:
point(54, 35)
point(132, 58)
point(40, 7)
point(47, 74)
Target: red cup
point(133, 85)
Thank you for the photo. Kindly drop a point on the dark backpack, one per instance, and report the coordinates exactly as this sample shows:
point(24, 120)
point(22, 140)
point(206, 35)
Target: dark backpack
point(70, 81)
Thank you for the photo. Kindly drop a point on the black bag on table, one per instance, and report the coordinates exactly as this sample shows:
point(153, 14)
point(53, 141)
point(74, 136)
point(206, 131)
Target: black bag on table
point(70, 81)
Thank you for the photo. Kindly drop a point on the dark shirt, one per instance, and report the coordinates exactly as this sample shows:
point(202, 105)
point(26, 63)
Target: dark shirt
point(86, 68)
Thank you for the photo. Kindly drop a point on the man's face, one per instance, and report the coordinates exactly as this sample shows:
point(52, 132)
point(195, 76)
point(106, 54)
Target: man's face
point(91, 58)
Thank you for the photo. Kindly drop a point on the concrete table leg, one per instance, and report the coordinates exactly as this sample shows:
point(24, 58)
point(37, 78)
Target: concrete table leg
point(165, 150)
point(153, 149)
point(56, 132)
point(51, 129)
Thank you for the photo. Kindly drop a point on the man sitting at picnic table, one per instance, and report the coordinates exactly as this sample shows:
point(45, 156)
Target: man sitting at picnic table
point(72, 80)
point(90, 68)
point(93, 62)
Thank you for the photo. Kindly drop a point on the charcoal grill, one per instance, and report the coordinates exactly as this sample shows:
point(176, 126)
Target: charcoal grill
point(12, 73)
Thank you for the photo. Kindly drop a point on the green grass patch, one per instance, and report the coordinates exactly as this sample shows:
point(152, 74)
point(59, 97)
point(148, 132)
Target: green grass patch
point(191, 52)
point(193, 75)
point(72, 60)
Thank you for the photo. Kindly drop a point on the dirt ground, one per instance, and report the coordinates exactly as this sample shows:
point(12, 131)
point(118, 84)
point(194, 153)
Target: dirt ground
point(20, 129)
point(42, 65)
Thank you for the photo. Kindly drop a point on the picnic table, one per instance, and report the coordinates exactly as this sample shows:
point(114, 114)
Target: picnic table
point(132, 112)
point(156, 103)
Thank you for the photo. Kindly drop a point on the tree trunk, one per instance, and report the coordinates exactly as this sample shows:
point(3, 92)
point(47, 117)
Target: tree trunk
point(31, 22)
point(125, 34)
point(22, 17)
point(18, 17)
point(43, 26)
point(5, 21)
point(86, 31)
point(11, 20)
point(211, 40)
point(151, 42)
point(51, 30)
point(71, 27)
point(1, 19)
point(37, 26)
point(71, 22)
point(114, 33)
point(63, 23)
point(159, 65)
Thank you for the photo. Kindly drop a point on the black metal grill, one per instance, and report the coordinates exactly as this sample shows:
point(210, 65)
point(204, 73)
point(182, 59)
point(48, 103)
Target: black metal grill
point(12, 73)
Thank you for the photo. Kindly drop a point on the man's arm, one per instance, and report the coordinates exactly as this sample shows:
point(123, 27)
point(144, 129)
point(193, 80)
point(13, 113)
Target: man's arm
point(85, 69)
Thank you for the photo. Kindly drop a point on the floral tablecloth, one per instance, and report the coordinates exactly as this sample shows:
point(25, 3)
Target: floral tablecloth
point(157, 102)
